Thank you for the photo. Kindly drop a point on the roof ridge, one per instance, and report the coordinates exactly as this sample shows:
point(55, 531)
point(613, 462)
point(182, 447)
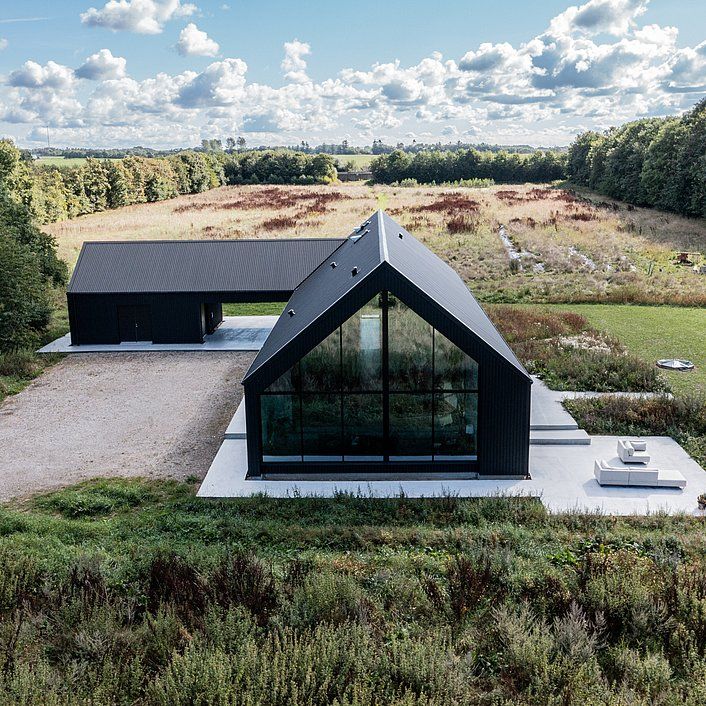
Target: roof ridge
point(382, 236)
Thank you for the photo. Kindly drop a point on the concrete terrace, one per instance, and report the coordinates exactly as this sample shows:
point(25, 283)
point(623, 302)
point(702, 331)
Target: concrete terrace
point(561, 470)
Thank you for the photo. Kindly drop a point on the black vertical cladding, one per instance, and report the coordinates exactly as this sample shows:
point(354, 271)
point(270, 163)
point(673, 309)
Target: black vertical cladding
point(386, 257)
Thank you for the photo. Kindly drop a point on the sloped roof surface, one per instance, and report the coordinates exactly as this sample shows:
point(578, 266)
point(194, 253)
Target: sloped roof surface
point(162, 266)
point(380, 245)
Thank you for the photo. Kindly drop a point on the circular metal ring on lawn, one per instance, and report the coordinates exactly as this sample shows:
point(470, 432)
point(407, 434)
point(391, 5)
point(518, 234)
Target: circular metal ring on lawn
point(675, 364)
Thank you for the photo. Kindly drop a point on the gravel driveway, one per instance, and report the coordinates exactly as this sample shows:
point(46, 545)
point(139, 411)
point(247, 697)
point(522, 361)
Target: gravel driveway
point(156, 415)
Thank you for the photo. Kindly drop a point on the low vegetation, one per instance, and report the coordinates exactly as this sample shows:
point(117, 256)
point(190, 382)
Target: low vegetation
point(683, 418)
point(127, 592)
point(568, 354)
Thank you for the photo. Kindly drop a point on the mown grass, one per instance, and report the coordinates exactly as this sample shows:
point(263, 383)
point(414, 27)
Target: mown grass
point(254, 309)
point(136, 592)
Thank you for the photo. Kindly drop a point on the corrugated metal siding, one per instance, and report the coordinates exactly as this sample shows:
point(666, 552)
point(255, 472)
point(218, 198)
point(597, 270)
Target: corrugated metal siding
point(198, 265)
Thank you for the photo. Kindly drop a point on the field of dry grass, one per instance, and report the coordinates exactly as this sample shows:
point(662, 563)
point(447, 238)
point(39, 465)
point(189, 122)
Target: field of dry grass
point(571, 247)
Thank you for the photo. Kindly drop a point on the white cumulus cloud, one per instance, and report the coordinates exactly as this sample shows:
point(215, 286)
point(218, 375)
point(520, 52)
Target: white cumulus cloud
point(34, 75)
point(140, 16)
point(294, 63)
point(193, 42)
point(102, 66)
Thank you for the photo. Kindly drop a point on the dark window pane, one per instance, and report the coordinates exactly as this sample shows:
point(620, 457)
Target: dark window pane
point(281, 430)
point(321, 427)
point(289, 382)
point(453, 369)
point(362, 348)
point(410, 427)
point(320, 368)
point(362, 427)
point(410, 348)
point(455, 425)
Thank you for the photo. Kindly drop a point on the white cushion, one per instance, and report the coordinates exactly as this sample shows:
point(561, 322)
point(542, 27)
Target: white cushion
point(639, 445)
point(607, 475)
point(671, 479)
point(648, 477)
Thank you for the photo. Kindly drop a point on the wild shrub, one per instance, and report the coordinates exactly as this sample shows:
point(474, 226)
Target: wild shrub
point(19, 363)
point(243, 580)
point(473, 580)
point(172, 579)
point(330, 598)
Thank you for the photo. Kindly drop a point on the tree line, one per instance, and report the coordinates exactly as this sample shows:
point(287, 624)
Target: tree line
point(54, 193)
point(447, 167)
point(29, 266)
point(658, 162)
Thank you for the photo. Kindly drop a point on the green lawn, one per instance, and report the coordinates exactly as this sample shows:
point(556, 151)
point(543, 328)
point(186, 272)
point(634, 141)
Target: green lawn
point(256, 309)
point(653, 332)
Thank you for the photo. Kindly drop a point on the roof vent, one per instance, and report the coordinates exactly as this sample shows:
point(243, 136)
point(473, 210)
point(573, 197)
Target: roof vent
point(354, 271)
point(291, 312)
point(334, 265)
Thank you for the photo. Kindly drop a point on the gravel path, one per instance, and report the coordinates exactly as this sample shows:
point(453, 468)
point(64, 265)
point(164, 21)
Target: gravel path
point(156, 415)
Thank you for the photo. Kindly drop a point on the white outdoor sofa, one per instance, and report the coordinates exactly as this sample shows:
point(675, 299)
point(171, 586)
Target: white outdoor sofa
point(636, 477)
point(633, 451)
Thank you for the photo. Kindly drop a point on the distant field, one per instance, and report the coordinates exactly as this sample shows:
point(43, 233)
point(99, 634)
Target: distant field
point(61, 161)
point(361, 161)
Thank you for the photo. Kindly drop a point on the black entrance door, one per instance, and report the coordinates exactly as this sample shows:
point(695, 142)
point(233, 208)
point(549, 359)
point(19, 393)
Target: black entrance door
point(134, 323)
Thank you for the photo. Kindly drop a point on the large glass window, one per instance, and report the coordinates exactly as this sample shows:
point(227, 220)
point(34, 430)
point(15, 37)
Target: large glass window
point(384, 386)
point(281, 428)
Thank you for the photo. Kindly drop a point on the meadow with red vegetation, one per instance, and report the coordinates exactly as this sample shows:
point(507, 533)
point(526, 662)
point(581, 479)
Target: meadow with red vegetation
point(568, 246)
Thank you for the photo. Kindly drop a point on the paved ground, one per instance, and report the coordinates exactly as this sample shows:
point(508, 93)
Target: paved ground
point(236, 333)
point(138, 414)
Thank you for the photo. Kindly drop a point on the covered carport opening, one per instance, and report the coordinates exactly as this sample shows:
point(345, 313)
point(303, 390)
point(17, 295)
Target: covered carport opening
point(174, 291)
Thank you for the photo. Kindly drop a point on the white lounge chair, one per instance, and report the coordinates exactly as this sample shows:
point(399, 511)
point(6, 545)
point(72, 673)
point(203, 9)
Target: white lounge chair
point(636, 477)
point(633, 451)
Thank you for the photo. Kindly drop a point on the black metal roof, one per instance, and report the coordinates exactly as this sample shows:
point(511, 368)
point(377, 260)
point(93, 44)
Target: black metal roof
point(163, 266)
point(381, 244)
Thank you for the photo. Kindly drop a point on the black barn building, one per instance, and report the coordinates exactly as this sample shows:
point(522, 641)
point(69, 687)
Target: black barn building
point(384, 363)
point(171, 291)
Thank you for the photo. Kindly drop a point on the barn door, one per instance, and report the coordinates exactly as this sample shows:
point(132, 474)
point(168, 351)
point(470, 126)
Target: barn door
point(134, 323)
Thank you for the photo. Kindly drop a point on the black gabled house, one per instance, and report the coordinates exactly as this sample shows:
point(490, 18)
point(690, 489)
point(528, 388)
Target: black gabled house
point(383, 362)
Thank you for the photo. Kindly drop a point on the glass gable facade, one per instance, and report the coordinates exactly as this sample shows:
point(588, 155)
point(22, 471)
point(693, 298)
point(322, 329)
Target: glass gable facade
point(384, 386)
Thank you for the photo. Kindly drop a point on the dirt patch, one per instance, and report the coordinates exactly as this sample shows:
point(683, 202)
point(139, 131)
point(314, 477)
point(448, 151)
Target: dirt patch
point(126, 414)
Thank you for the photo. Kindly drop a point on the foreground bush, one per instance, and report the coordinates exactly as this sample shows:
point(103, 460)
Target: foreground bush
point(129, 592)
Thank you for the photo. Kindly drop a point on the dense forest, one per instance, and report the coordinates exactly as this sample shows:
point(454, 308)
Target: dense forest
point(441, 167)
point(53, 193)
point(658, 162)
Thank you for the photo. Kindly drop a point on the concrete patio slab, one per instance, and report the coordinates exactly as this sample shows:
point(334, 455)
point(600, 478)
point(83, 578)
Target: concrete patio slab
point(562, 478)
point(236, 333)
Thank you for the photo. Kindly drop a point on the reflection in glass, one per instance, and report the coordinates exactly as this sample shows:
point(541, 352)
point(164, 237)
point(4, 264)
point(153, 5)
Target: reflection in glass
point(410, 348)
point(362, 427)
point(321, 427)
point(320, 368)
point(455, 425)
point(281, 430)
point(362, 348)
point(288, 382)
point(410, 427)
point(453, 369)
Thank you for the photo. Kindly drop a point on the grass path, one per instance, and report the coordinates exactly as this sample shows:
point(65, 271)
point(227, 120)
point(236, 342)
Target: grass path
point(653, 332)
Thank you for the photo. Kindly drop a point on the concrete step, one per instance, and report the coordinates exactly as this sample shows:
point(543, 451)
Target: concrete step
point(236, 428)
point(568, 426)
point(567, 437)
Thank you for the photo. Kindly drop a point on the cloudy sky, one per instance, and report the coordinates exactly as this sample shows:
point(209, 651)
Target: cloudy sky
point(168, 73)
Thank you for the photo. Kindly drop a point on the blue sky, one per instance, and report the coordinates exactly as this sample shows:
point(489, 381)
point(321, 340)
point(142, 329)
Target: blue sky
point(169, 72)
